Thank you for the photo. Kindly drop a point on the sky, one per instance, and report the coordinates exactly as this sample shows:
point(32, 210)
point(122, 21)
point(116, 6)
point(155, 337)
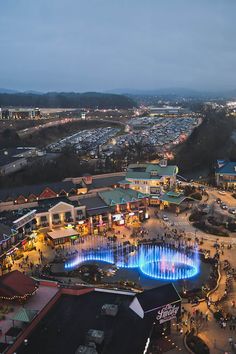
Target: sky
point(101, 45)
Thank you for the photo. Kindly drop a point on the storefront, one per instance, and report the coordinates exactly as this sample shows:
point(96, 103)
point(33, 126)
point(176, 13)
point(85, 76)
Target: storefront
point(154, 201)
point(82, 227)
point(132, 219)
point(162, 305)
point(60, 236)
point(118, 219)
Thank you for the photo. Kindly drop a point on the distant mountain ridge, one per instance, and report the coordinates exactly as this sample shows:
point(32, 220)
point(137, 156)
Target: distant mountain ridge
point(67, 100)
point(177, 92)
point(4, 90)
point(172, 92)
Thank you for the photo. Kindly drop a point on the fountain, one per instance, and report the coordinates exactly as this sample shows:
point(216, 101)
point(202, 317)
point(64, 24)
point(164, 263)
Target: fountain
point(155, 261)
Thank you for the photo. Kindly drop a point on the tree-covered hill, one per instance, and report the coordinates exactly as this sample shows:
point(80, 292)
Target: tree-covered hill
point(210, 141)
point(66, 100)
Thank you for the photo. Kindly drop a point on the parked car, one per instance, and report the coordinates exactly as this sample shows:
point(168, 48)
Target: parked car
point(232, 211)
point(224, 206)
point(165, 218)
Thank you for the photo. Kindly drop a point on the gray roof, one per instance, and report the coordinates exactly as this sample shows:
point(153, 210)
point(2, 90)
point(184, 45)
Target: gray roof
point(104, 210)
point(13, 193)
point(94, 202)
point(105, 182)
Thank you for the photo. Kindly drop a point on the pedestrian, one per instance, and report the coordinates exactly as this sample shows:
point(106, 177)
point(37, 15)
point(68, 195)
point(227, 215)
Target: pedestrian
point(230, 341)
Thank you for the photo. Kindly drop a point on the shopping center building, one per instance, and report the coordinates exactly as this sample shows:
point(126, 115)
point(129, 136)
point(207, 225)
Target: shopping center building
point(225, 174)
point(151, 179)
point(83, 205)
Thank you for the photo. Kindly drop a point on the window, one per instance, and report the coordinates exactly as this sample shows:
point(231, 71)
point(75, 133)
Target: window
point(80, 214)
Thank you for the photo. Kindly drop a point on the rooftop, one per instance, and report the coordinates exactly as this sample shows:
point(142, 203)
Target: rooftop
point(120, 196)
point(93, 202)
point(46, 204)
point(15, 285)
point(8, 217)
point(102, 182)
point(151, 300)
point(227, 168)
point(26, 191)
point(146, 171)
point(74, 316)
point(173, 198)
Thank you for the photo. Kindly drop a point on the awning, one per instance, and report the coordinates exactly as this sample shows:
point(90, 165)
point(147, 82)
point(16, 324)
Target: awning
point(24, 315)
point(61, 233)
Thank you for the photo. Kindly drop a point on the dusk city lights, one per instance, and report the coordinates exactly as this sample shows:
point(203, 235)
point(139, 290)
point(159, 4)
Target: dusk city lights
point(117, 177)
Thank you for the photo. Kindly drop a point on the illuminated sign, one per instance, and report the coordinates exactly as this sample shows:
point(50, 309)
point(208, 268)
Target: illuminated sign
point(167, 313)
point(117, 217)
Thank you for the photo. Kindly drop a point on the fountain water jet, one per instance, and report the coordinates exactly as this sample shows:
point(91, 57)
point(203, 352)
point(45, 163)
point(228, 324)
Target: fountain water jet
point(159, 262)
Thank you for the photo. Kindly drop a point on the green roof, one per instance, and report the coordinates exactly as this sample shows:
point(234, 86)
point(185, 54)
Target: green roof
point(173, 199)
point(137, 174)
point(170, 170)
point(24, 315)
point(144, 171)
point(120, 196)
point(124, 182)
point(174, 194)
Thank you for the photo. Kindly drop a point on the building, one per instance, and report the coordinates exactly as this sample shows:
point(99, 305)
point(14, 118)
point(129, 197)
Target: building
point(15, 228)
point(21, 113)
point(15, 159)
point(151, 179)
point(57, 206)
point(16, 286)
point(11, 161)
point(167, 110)
point(225, 174)
point(29, 196)
point(59, 212)
point(140, 323)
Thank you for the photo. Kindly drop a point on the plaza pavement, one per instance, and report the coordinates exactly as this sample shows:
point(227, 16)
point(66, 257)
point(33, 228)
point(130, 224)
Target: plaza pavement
point(216, 338)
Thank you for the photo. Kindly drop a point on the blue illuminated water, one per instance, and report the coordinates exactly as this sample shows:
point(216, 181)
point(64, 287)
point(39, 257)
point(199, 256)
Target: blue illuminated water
point(157, 262)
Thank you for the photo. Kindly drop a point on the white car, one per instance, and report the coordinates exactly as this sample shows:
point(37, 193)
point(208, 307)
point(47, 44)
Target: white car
point(165, 218)
point(232, 211)
point(224, 206)
point(222, 192)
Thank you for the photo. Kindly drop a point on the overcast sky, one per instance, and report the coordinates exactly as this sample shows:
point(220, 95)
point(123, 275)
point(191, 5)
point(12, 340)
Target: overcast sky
point(84, 45)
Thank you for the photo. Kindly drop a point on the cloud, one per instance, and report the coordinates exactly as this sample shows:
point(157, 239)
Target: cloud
point(102, 44)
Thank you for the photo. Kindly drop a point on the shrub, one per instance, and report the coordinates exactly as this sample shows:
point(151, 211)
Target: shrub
point(232, 227)
point(196, 196)
point(218, 315)
point(208, 228)
point(196, 216)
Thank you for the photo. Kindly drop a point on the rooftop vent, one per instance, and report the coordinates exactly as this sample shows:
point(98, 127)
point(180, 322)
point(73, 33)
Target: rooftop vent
point(163, 163)
point(110, 310)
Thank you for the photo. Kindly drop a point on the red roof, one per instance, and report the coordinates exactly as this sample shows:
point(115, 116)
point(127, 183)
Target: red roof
point(16, 285)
